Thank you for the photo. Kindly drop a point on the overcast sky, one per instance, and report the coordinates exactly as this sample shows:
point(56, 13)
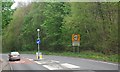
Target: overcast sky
point(17, 4)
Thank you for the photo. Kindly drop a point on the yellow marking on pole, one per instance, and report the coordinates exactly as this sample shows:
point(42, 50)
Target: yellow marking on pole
point(41, 56)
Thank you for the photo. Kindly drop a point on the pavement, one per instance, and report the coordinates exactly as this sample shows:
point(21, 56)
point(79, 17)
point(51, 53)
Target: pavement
point(49, 62)
point(0, 65)
point(4, 65)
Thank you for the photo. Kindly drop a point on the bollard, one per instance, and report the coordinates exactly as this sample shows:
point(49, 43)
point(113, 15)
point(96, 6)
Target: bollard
point(40, 55)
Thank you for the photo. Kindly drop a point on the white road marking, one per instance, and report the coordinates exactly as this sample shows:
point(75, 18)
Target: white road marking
point(55, 61)
point(60, 66)
point(55, 65)
point(52, 67)
point(11, 68)
point(31, 59)
point(19, 61)
point(46, 62)
point(100, 62)
point(69, 65)
point(40, 62)
point(37, 62)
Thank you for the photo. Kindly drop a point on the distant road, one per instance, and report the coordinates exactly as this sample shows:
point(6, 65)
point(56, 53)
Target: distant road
point(49, 62)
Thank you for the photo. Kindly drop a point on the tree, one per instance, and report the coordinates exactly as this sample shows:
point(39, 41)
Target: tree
point(7, 13)
point(95, 22)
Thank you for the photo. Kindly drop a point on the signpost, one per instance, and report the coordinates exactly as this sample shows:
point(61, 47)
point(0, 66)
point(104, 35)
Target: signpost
point(75, 41)
point(38, 42)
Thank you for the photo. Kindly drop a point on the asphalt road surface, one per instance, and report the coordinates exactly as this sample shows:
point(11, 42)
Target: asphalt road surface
point(49, 62)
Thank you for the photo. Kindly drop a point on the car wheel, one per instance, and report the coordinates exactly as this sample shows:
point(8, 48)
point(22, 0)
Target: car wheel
point(9, 59)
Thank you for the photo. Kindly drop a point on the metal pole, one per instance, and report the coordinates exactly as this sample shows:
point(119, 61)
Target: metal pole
point(38, 47)
point(78, 49)
point(74, 49)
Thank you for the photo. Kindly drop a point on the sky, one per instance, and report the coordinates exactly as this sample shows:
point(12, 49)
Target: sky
point(17, 4)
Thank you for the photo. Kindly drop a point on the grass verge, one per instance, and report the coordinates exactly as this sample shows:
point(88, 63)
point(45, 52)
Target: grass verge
point(84, 54)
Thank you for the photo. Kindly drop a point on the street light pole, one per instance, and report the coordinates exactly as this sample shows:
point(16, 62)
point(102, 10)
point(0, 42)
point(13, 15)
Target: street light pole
point(38, 43)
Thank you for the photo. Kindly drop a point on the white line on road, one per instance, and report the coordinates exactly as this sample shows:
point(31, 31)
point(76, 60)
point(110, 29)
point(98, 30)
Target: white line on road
point(19, 61)
point(31, 59)
point(52, 67)
point(100, 62)
point(69, 65)
point(55, 61)
point(46, 62)
point(55, 65)
point(11, 68)
point(37, 62)
point(60, 66)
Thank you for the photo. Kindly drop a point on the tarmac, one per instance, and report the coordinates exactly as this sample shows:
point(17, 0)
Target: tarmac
point(4, 65)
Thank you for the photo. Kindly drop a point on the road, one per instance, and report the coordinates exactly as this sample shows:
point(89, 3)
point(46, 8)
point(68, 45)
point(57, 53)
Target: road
point(49, 62)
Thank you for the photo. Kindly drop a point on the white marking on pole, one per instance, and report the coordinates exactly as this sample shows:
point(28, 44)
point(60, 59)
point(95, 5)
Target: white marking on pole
point(69, 65)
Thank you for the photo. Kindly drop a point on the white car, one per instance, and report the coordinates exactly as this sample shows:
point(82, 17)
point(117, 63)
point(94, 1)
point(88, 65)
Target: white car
point(14, 56)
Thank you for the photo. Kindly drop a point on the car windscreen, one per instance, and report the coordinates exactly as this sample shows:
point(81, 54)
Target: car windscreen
point(14, 53)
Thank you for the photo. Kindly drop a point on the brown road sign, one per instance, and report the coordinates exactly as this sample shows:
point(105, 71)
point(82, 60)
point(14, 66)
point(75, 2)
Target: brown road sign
point(75, 37)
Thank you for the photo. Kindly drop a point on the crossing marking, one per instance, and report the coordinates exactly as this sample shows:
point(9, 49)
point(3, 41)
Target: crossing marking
point(56, 65)
point(46, 62)
point(55, 61)
point(52, 67)
point(37, 62)
point(69, 65)
point(60, 66)
point(30, 59)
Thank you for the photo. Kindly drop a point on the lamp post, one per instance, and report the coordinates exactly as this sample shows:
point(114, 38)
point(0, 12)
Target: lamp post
point(38, 30)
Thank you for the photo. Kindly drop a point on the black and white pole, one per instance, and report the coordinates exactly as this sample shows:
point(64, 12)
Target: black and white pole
point(38, 30)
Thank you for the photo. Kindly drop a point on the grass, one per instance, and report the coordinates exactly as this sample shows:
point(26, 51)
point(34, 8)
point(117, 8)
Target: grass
point(83, 54)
